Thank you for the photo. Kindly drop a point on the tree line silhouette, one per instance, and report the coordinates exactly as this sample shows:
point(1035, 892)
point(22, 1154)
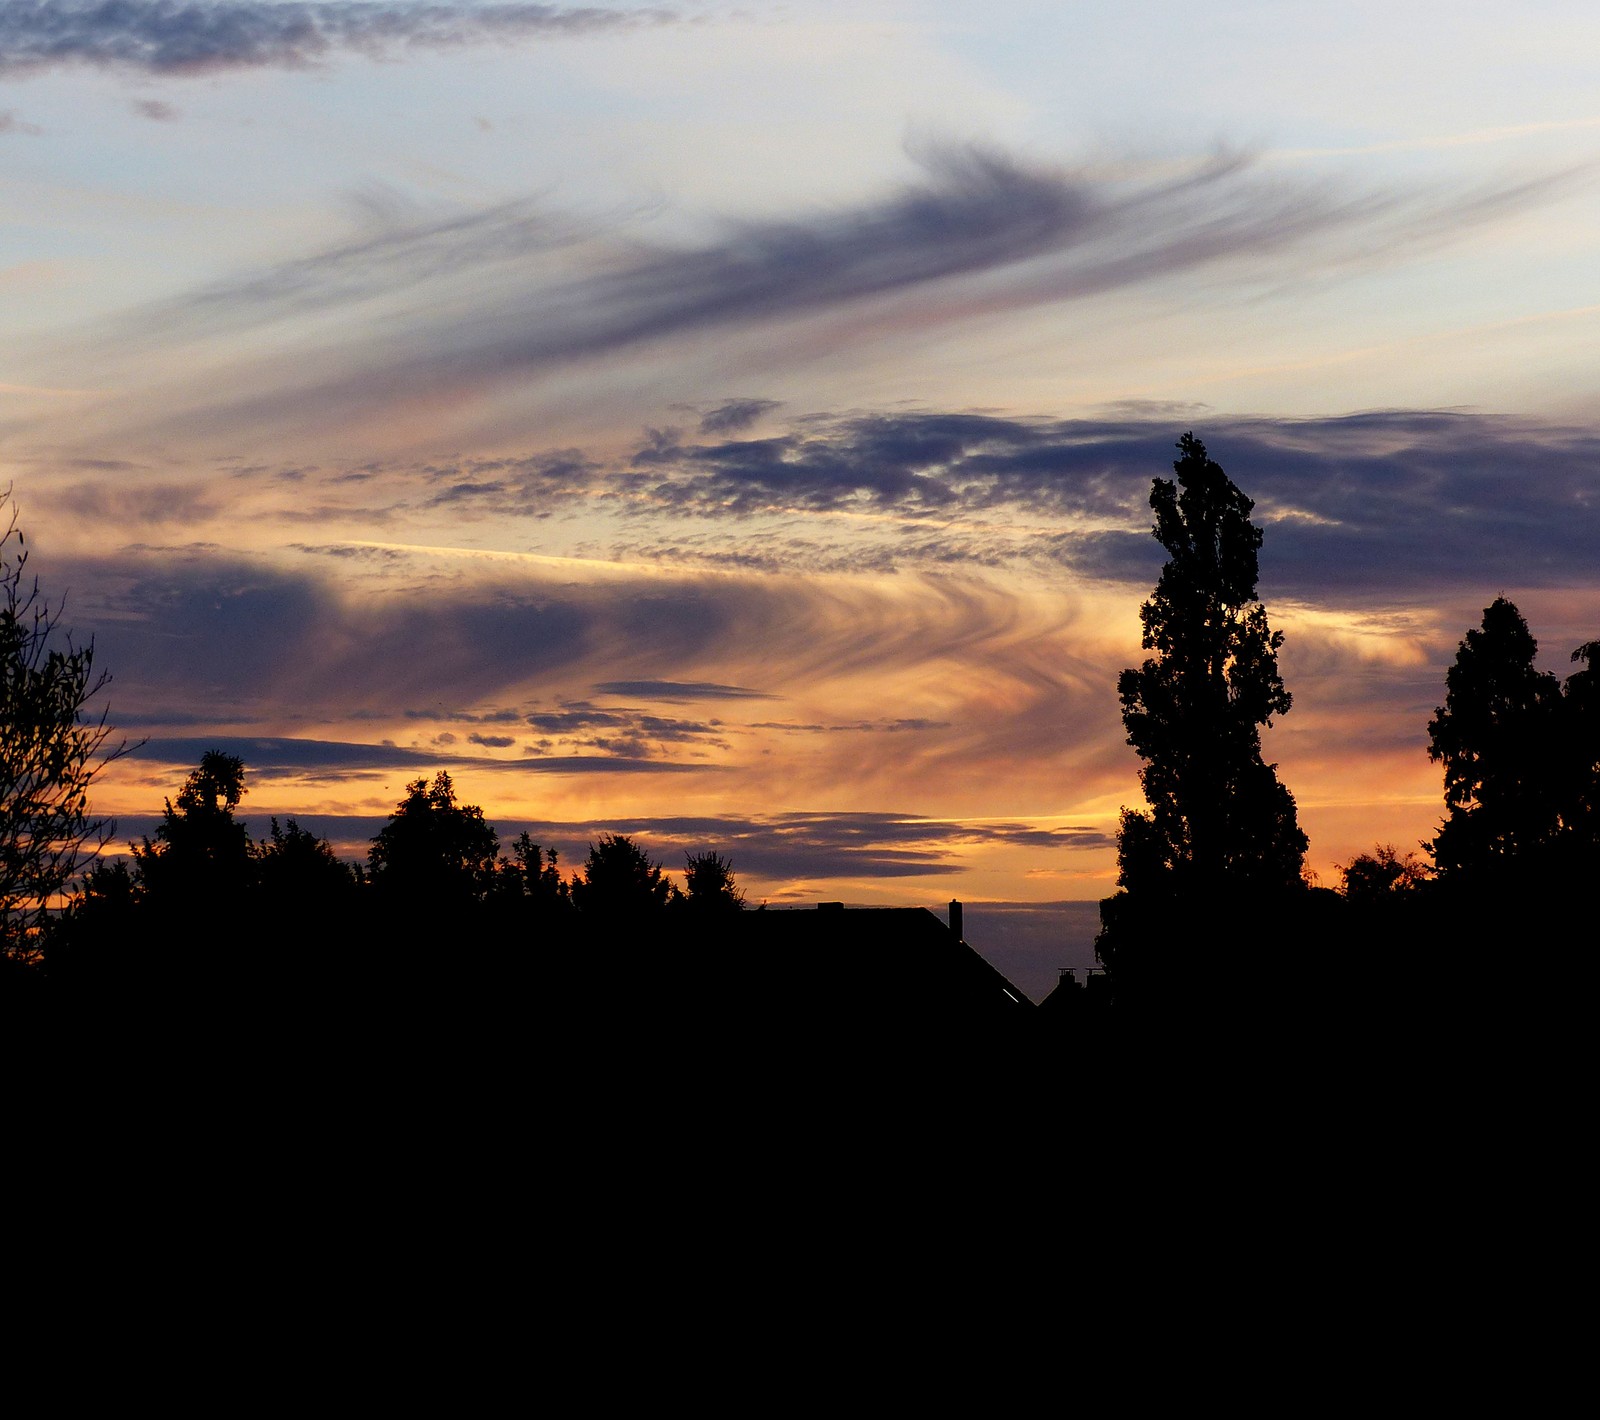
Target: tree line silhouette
point(1214, 917)
point(201, 898)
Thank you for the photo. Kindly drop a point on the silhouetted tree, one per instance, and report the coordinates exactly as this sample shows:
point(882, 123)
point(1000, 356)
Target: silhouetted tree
point(1195, 710)
point(93, 941)
point(620, 882)
point(298, 871)
point(1383, 871)
point(434, 852)
point(529, 886)
point(1498, 735)
point(1580, 773)
point(710, 889)
point(1221, 834)
point(201, 854)
point(51, 749)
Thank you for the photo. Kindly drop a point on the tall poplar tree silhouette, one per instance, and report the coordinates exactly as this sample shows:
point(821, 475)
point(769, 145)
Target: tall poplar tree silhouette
point(1220, 827)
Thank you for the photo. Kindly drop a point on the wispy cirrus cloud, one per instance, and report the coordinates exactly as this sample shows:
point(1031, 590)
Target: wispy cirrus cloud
point(201, 623)
point(393, 248)
point(475, 303)
point(193, 37)
point(268, 649)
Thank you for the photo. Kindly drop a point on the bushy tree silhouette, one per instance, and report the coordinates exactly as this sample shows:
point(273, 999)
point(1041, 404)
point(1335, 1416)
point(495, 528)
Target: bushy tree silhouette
point(433, 852)
point(299, 872)
point(620, 882)
point(51, 750)
point(529, 891)
point(1498, 735)
point(1385, 870)
point(710, 889)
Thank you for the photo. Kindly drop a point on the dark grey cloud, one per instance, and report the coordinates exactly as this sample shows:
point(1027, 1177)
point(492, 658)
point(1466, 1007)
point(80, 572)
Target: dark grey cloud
point(350, 552)
point(852, 726)
point(230, 632)
point(189, 37)
point(535, 486)
point(981, 233)
point(1378, 504)
point(621, 731)
point(735, 414)
point(274, 755)
point(488, 717)
point(673, 691)
point(268, 753)
point(816, 846)
point(1401, 505)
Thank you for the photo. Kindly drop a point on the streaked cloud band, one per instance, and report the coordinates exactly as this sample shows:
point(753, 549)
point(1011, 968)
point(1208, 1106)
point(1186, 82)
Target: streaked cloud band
point(188, 37)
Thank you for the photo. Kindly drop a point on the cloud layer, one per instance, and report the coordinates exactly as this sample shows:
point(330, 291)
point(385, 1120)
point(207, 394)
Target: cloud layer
point(808, 846)
point(1389, 504)
point(190, 37)
point(1384, 504)
point(982, 688)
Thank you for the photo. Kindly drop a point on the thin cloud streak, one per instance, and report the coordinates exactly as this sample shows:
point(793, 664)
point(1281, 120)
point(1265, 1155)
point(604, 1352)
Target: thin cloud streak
point(395, 249)
point(276, 755)
point(672, 691)
point(186, 38)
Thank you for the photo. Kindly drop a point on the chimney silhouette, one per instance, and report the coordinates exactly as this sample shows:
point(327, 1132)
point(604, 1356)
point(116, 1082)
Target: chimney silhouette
point(955, 920)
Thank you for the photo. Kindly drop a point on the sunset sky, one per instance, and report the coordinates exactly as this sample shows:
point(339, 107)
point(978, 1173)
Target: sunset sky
point(733, 425)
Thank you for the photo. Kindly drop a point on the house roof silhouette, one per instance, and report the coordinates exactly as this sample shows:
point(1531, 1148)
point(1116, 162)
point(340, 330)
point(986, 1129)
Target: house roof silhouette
point(895, 960)
point(809, 969)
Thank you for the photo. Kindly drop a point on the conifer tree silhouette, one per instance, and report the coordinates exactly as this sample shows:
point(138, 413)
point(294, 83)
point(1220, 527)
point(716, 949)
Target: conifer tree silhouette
point(1498, 736)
